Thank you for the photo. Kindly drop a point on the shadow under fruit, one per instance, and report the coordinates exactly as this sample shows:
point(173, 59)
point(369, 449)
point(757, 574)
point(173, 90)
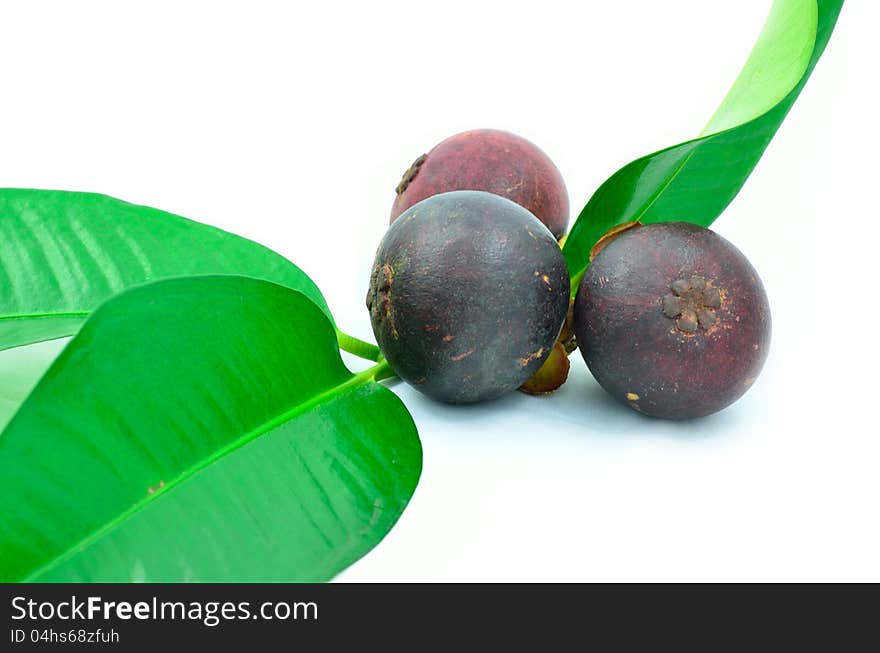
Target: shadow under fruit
point(672, 320)
point(467, 295)
point(493, 161)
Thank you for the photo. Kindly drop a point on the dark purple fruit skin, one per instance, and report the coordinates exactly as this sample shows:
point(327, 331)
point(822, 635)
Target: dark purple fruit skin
point(467, 296)
point(493, 161)
point(646, 356)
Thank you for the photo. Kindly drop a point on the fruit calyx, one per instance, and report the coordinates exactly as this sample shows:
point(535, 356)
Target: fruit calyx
point(553, 374)
point(611, 235)
point(379, 295)
point(567, 336)
point(410, 174)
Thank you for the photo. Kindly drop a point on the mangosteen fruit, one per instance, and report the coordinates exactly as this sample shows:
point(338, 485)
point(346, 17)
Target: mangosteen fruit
point(493, 161)
point(467, 295)
point(672, 320)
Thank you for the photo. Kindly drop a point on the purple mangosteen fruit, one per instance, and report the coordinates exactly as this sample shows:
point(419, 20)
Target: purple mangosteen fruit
point(493, 161)
point(672, 320)
point(467, 295)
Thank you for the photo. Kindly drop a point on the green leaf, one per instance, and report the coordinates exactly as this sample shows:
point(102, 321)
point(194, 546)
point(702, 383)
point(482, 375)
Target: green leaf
point(22, 368)
point(202, 429)
point(63, 253)
point(696, 180)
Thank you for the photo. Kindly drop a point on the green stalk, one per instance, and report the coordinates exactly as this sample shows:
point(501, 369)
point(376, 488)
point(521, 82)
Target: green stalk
point(358, 347)
point(383, 371)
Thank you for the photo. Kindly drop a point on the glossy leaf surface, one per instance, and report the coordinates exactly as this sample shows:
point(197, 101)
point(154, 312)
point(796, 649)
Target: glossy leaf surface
point(202, 429)
point(63, 253)
point(696, 180)
point(20, 370)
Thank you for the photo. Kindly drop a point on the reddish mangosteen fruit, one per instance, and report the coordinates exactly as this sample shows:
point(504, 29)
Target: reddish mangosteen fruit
point(672, 320)
point(493, 161)
point(467, 296)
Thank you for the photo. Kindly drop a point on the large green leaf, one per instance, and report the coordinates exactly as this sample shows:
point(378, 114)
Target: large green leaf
point(63, 253)
point(202, 429)
point(696, 180)
point(21, 368)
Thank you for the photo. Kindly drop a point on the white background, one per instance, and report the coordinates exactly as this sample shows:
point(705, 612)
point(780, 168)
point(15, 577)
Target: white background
point(290, 123)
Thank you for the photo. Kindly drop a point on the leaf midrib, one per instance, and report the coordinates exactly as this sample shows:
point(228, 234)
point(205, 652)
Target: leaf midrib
point(355, 381)
point(38, 316)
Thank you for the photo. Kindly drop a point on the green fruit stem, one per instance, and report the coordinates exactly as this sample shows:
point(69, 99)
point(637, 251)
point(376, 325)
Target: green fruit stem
point(358, 347)
point(382, 371)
